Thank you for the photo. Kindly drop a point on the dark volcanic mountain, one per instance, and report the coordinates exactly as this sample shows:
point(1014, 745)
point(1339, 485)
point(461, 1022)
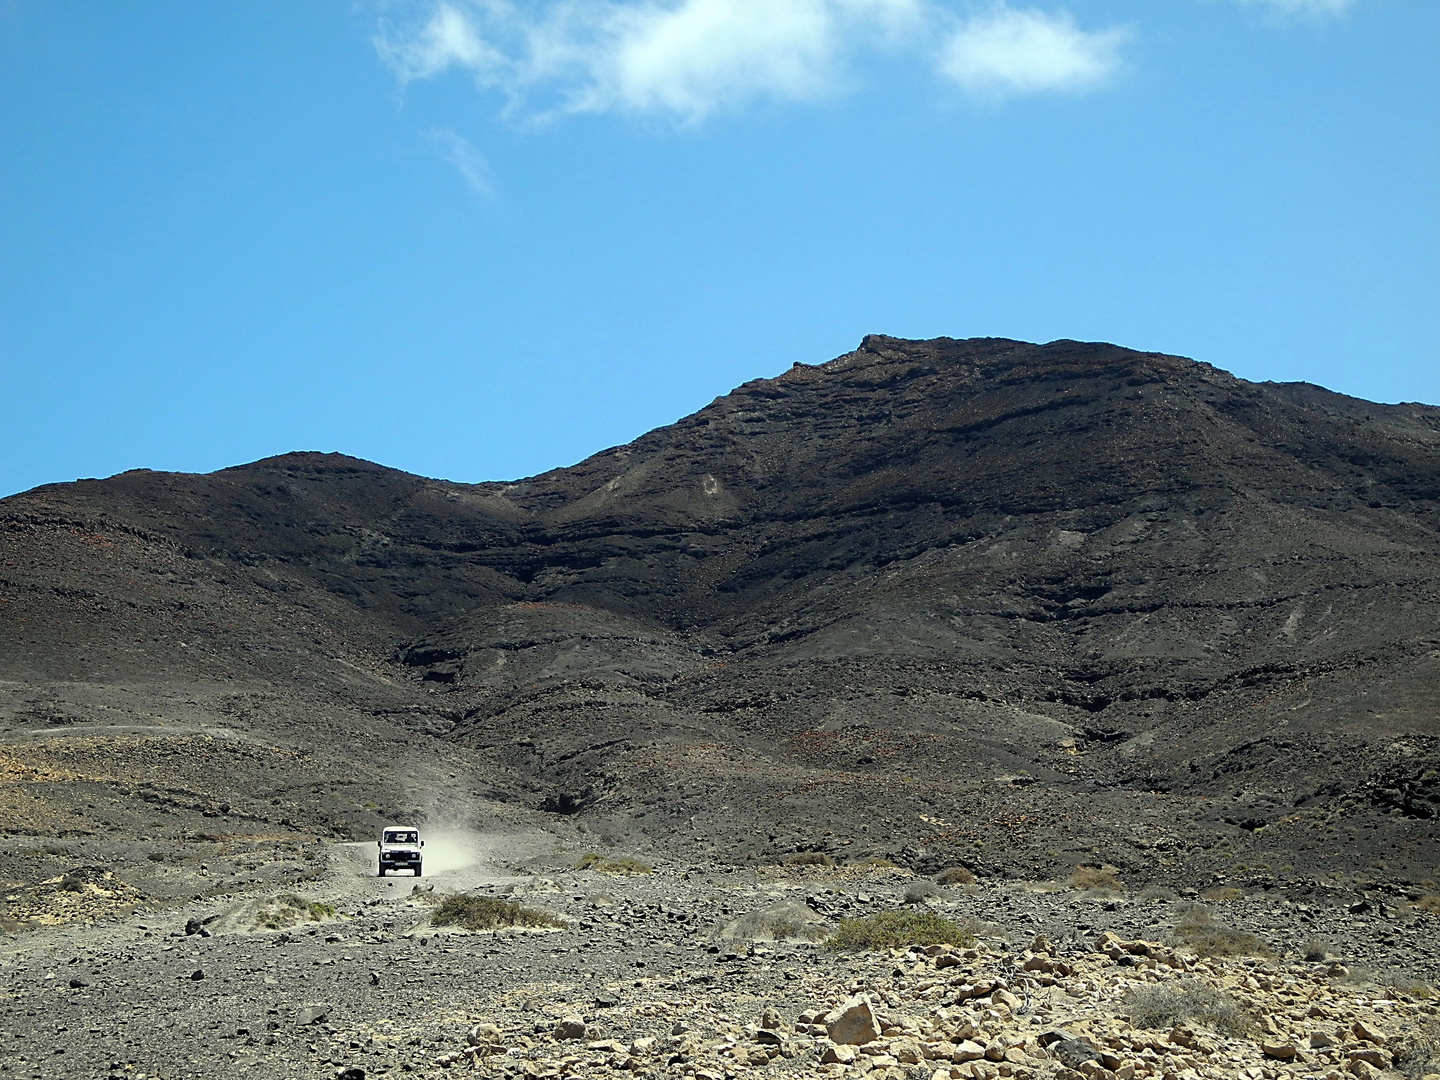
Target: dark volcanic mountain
point(1018, 607)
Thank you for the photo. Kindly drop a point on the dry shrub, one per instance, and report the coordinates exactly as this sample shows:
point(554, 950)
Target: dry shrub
point(1428, 902)
point(955, 875)
point(1418, 1053)
point(808, 858)
point(1315, 951)
point(1222, 892)
point(288, 909)
point(1198, 930)
point(488, 913)
point(787, 920)
point(1190, 1001)
point(1404, 986)
point(619, 864)
point(1158, 892)
point(917, 892)
point(898, 929)
point(1096, 879)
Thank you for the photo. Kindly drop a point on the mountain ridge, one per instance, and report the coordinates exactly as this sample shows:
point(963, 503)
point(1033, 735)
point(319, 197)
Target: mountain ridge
point(1022, 579)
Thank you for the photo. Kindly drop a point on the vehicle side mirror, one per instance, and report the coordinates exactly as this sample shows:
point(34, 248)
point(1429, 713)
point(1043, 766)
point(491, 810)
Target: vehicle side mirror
point(379, 843)
point(422, 843)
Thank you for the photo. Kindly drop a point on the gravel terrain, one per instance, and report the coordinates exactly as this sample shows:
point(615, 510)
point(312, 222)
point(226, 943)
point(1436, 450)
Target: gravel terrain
point(372, 986)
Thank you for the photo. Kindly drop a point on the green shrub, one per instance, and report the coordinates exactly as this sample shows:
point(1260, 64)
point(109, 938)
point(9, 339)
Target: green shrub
point(488, 913)
point(620, 864)
point(1163, 1006)
point(896, 930)
point(1198, 930)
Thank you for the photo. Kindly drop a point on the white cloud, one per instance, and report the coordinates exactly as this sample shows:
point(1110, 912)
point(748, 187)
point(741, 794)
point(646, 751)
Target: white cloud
point(468, 161)
point(447, 38)
point(698, 56)
point(688, 59)
point(1007, 51)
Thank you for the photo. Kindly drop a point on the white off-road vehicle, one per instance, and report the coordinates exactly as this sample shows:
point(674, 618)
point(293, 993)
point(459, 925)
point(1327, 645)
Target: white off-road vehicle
point(400, 848)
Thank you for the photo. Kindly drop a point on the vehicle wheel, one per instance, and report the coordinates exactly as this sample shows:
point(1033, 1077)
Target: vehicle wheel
point(382, 871)
point(417, 871)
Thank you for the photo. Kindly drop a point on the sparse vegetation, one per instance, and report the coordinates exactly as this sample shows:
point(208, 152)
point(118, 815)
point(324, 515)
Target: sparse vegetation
point(1190, 1001)
point(789, 920)
point(1418, 1054)
point(917, 892)
point(1198, 930)
point(1428, 902)
point(1402, 986)
point(808, 858)
point(955, 875)
point(289, 909)
point(472, 912)
point(1096, 879)
point(897, 929)
point(1222, 892)
point(1315, 951)
point(618, 864)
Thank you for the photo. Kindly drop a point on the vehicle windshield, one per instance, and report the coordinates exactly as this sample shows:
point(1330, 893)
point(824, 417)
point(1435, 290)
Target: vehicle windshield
point(400, 837)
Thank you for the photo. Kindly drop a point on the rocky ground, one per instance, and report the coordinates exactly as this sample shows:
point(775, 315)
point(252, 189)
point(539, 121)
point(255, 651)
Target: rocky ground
point(678, 973)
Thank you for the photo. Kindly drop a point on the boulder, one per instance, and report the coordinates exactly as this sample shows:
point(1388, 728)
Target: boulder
point(854, 1023)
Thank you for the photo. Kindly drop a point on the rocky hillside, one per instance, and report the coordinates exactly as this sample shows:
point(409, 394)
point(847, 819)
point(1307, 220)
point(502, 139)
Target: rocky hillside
point(1015, 607)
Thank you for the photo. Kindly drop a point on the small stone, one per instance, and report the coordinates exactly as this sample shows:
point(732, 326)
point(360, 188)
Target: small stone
point(312, 1014)
point(1370, 1057)
point(1286, 1051)
point(484, 1035)
point(1074, 1052)
point(196, 975)
point(770, 1019)
point(968, 1051)
point(1368, 1033)
point(571, 1027)
point(839, 1055)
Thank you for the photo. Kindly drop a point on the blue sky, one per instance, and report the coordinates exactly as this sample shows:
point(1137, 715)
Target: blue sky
point(483, 238)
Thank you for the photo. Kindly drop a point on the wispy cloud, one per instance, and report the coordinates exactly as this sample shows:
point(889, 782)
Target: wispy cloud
point(468, 161)
point(689, 59)
point(1007, 51)
point(1304, 7)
